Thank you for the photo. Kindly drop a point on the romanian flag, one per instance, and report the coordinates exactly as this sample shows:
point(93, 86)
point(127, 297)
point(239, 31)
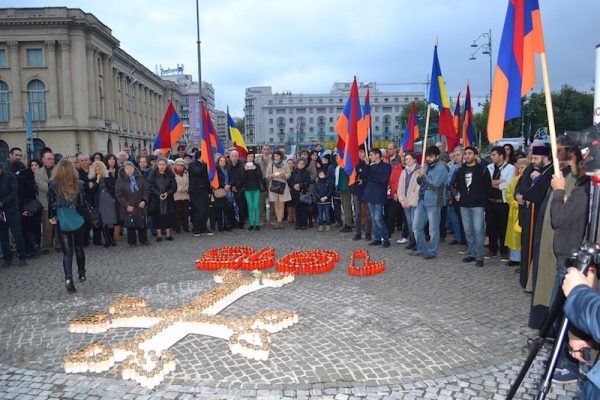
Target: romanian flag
point(438, 96)
point(522, 37)
point(347, 129)
point(456, 117)
point(365, 133)
point(171, 130)
point(467, 126)
point(207, 149)
point(412, 130)
point(236, 137)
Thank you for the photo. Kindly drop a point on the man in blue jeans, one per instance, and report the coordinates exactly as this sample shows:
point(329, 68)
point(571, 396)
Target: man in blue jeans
point(432, 197)
point(471, 186)
point(376, 195)
point(10, 217)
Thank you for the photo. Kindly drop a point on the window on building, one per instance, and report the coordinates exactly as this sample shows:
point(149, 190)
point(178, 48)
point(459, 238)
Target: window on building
point(3, 151)
point(376, 119)
point(34, 58)
point(311, 120)
point(396, 99)
point(271, 140)
point(376, 128)
point(270, 120)
point(36, 100)
point(2, 57)
point(38, 146)
point(270, 102)
point(270, 111)
point(385, 99)
point(280, 111)
point(340, 109)
point(331, 129)
point(330, 119)
point(311, 130)
point(397, 108)
point(376, 99)
point(321, 110)
point(310, 101)
point(280, 102)
point(4, 102)
point(291, 120)
point(320, 100)
point(270, 130)
point(387, 109)
point(301, 111)
point(406, 99)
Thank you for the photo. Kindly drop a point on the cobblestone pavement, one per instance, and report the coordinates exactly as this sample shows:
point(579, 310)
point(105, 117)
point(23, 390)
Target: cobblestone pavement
point(437, 329)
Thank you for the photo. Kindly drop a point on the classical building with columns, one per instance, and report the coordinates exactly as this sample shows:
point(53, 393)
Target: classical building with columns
point(84, 93)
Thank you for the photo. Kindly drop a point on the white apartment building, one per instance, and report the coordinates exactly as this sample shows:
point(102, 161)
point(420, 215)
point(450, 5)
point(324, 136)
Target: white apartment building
point(286, 118)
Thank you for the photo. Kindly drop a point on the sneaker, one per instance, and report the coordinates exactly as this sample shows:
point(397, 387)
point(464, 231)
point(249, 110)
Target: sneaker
point(375, 243)
point(386, 243)
point(327, 228)
point(489, 254)
point(401, 240)
point(356, 237)
point(321, 228)
point(479, 263)
point(468, 259)
point(463, 250)
point(504, 257)
point(207, 233)
point(563, 375)
point(251, 228)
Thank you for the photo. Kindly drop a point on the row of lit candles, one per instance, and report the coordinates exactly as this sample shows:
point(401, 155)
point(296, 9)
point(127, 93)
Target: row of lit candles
point(368, 268)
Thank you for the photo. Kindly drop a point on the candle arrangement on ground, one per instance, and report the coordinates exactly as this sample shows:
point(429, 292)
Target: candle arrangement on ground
point(237, 257)
point(368, 267)
point(146, 359)
point(309, 262)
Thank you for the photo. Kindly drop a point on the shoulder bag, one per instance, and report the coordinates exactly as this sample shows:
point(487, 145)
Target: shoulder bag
point(276, 186)
point(69, 220)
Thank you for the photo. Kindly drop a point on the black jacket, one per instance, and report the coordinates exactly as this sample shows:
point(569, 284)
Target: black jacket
point(323, 188)
point(362, 173)
point(27, 188)
point(198, 175)
point(252, 178)
point(236, 177)
point(158, 184)
point(9, 189)
point(476, 194)
point(55, 200)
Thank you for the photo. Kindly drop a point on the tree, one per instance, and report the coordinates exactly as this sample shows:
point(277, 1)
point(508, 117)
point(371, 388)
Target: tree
point(241, 124)
point(422, 115)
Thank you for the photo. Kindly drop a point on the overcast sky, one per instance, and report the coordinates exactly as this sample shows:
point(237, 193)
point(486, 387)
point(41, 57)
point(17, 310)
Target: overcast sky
point(303, 46)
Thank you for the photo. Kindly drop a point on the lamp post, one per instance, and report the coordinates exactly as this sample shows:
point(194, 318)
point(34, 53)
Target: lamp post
point(486, 48)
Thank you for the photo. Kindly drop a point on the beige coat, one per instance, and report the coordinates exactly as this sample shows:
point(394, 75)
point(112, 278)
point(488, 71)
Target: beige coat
point(412, 195)
point(183, 183)
point(41, 181)
point(281, 174)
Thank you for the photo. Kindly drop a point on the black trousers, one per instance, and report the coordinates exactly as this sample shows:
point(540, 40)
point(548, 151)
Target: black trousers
point(301, 214)
point(137, 234)
point(496, 218)
point(240, 201)
point(72, 242)
point(182, 214)
point(199, 204)
point(393, 215)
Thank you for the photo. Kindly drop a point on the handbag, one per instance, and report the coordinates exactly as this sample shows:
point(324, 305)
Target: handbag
point(135, 221)
point(219, 193)
point(33, 207)
point(94, 217)
point(69, 220)
point(277, 187)
point(306, 198)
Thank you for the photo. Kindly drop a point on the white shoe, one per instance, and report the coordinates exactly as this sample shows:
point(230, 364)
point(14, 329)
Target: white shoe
point(401, 241)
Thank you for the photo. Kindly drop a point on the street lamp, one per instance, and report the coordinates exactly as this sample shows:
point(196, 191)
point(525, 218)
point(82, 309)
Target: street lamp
point(485, 48)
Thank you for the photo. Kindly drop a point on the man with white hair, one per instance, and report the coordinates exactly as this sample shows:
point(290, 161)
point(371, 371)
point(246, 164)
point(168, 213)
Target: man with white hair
point(236, 179)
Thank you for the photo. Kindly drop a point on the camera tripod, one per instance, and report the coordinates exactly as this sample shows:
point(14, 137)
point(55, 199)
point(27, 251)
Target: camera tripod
point(587, 255)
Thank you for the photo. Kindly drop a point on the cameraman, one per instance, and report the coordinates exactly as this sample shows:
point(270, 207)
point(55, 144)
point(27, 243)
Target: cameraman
point(583, 310)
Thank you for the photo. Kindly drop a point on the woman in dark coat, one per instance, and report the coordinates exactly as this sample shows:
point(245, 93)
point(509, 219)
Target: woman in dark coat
point(252, 185)
point(162, 188)
point(104, 199)
point(299, 184)
point(224, 204)
point(31, 224)
point(131, 191)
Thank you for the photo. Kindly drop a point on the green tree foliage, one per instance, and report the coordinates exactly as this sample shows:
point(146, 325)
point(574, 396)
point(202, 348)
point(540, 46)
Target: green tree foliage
point(572, 111)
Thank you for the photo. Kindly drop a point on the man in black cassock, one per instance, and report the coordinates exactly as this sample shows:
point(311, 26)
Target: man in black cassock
point(531, 192)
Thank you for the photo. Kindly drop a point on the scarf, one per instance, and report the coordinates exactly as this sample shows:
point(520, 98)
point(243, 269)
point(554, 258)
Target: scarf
point(179, 173)
point(133, 184)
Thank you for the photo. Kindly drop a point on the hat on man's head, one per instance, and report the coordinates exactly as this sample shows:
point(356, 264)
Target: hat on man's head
point(541, 151)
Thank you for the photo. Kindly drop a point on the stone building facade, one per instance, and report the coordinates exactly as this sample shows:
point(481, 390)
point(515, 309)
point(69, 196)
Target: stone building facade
point(84, 93)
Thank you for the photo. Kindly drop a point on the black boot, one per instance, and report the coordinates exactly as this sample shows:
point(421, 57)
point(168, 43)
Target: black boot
point(111, 236)
point(70, 286)
point(105, 233)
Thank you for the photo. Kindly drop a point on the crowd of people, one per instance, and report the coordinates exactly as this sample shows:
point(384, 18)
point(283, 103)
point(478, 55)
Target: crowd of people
point(531, 218)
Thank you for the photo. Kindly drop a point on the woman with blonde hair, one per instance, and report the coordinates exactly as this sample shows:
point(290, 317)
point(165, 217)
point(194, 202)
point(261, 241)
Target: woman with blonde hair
point(66, 206)
point(277, 174)
point(104, 199)
point(512, 239)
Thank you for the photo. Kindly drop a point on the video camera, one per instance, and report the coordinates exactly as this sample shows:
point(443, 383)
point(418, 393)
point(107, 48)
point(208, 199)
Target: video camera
point(588, 140)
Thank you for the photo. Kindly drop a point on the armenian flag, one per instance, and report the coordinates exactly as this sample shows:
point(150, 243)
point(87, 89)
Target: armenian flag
point(522, 38)
point(347, 129)
point(365, 132)
point(215, 142)
point(467, 126)
point(171, 130)
point(438, 96)
point(412, 130)
point(236, 137)
point(206, 148)
point(456, 116)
